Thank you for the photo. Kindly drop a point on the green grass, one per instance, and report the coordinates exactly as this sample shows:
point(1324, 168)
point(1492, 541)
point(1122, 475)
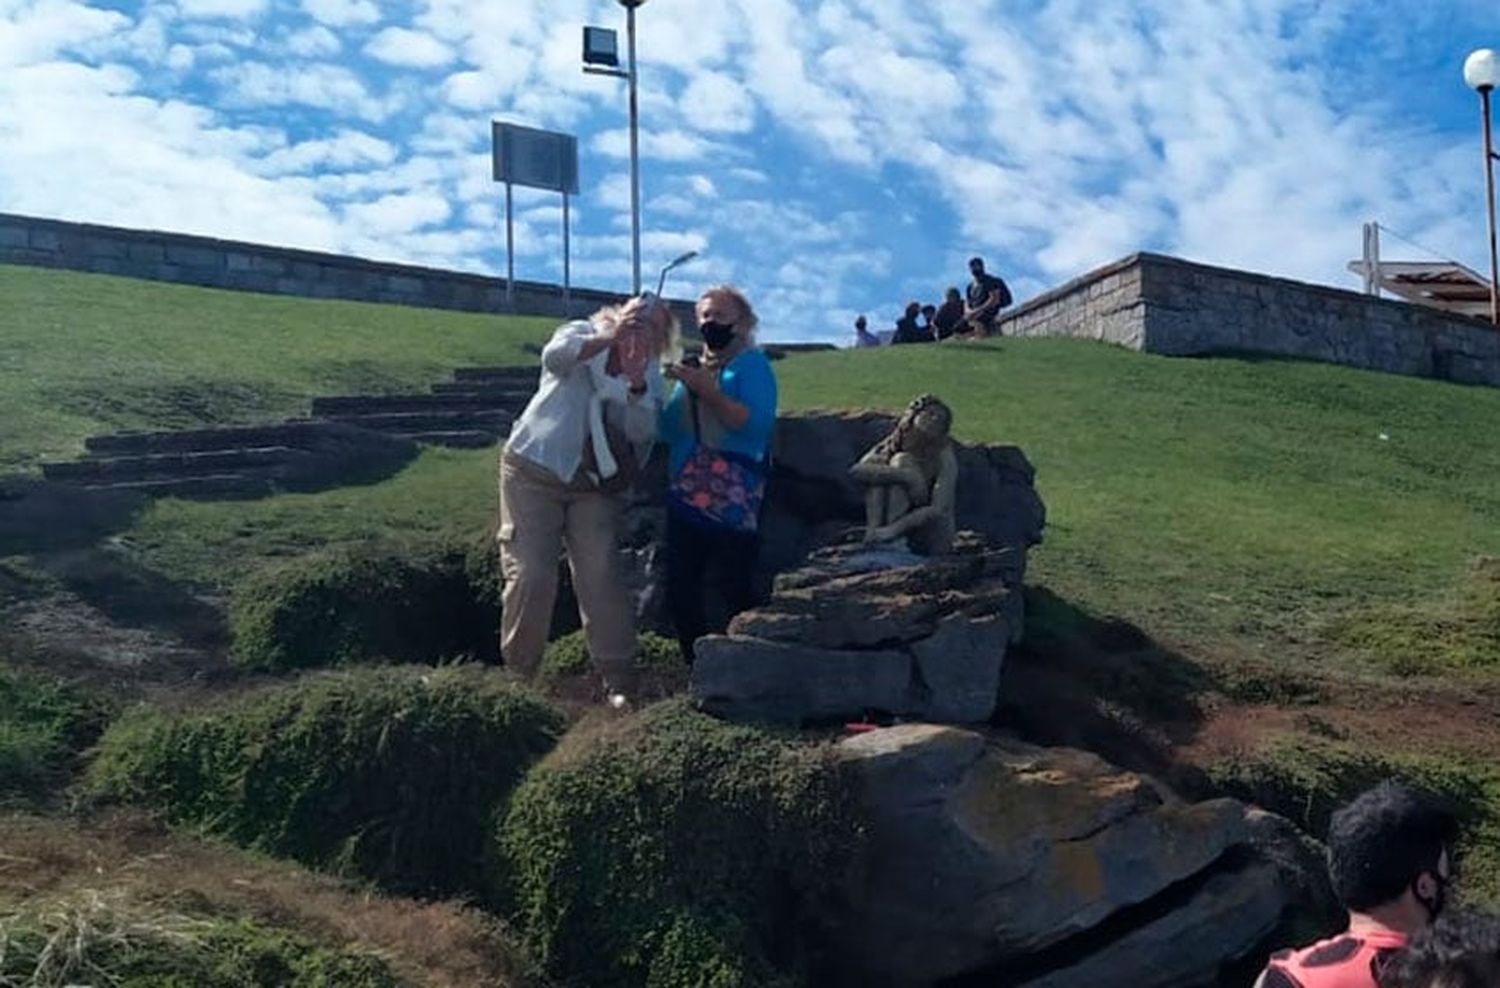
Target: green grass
point(44, 724)
point(87, 354)
point(1213, 501)
point(1224, 504)
point(213, 544)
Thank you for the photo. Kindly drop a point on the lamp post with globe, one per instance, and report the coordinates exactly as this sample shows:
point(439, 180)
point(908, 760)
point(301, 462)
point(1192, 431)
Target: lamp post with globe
point(1482, 73)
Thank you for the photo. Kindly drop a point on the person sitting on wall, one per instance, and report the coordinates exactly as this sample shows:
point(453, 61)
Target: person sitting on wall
point(928, 313)
point(1389, 856)
point(907, 329)
point(601, 380)
point(862, 335)
point(950, 314)
point(987, 296)
point(1460, 950)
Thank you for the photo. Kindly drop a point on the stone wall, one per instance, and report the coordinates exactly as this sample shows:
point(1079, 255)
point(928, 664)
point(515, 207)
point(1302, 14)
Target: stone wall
point(159, 256)
point(1165, 305)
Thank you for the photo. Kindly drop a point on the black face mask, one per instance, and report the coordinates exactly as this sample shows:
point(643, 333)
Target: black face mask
point(717, 335)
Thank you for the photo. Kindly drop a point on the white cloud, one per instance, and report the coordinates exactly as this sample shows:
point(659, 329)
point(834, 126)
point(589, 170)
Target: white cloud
point(342, 13)
point(33, 33)
point(717, 103)
point(669, 145)
point(180, 58)
point(349, 149)
point(314, 42)
point(412, 49)
point(399, 213)
point(222, 9)
point(330, 87)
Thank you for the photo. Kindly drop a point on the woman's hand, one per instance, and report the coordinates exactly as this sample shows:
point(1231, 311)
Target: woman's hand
point(701, 381)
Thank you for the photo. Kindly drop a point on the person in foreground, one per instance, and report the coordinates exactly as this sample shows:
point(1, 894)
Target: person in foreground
point(1389, 860)
point(574, 446)
point(1460, 950)
point(717, 425)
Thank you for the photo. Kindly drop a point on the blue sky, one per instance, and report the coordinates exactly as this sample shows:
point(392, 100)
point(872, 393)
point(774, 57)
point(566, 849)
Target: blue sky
point(831, 157)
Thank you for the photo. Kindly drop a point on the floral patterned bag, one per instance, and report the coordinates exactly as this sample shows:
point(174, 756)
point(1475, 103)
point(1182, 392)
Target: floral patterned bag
point(718, 489)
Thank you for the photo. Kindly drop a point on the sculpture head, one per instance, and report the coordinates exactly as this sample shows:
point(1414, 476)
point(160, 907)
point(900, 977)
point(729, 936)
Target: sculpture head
point(922, 428)
point(928, 420)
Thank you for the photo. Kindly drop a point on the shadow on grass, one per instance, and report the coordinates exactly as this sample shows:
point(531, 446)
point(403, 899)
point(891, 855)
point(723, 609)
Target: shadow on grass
point(1101, 684)
point(39, 516)
point(134, 596)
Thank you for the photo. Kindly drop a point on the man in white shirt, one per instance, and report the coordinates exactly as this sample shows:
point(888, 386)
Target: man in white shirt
point(552, 471)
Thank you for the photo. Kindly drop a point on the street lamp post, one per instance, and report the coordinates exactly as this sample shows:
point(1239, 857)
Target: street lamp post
point(672, 265)
point(1482, 73)
point(597, 57)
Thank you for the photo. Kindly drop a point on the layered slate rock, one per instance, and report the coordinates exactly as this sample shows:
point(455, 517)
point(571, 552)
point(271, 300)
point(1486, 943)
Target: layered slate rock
point(861, 631)
point(990, 861)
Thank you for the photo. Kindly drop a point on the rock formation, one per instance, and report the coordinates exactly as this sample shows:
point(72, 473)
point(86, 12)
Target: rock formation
point(864, 630)
point(993, 862)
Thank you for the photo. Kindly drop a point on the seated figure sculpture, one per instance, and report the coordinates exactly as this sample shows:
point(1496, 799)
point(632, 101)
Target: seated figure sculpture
point(912, 475)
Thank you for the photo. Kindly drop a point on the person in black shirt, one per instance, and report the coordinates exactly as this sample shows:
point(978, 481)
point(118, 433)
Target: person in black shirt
point(949, 315)
point(987, 296)
point(907, 329)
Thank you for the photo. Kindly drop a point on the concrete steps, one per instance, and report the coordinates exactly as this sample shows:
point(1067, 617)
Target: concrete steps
point(349, 438)
point(379, 404)
point(125, 469)
point(483, 419)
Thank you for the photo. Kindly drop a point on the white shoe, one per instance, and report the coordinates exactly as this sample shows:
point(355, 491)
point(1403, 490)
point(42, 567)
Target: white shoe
point(618, 701)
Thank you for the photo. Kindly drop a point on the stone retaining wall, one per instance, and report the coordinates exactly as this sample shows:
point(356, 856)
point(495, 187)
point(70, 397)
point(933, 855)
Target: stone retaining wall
point(160, 256)
point(1165, 305)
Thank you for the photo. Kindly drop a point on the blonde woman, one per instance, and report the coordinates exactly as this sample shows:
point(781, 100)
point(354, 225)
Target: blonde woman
point(717, 425)
point(601, 377)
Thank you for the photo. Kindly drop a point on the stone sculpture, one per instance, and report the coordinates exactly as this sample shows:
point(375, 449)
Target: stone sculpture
point(911, 476)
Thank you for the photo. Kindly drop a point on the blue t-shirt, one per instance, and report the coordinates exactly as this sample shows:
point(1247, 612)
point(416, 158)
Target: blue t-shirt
point(747, 379)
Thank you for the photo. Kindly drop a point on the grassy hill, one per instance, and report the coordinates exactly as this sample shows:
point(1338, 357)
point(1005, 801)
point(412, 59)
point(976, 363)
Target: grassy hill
point(85, 354)
point(1229, 505)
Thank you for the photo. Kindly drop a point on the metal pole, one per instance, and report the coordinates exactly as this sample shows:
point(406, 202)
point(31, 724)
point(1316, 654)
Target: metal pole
point(635, 161)
point(567, 265)
point(510, 252)
point(1489, 185)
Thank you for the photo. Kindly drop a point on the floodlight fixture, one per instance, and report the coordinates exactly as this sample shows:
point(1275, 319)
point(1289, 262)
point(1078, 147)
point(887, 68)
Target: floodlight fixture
point(601, 46)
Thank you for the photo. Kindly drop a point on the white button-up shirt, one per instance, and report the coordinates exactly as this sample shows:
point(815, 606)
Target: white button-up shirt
point(551, 432)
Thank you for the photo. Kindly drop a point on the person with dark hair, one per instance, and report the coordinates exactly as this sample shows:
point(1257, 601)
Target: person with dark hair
point(1389, 861)
point(949, 315)
point(1460, 950)
point(907, 329)
point(862, 335)
point(929, 312)
point(987, 296)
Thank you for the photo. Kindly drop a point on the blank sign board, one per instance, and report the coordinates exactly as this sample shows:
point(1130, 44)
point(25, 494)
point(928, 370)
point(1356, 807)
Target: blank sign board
point(539, 159)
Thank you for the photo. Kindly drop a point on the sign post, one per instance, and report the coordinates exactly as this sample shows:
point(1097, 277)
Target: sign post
point(537, 159)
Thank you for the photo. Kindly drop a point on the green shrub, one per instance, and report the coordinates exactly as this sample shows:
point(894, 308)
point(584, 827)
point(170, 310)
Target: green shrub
point(388, 773)
point(671, 849)
point(44, 724)
point(569, 655)
point(96, 940)
point(1305, 780)
point(361, 604)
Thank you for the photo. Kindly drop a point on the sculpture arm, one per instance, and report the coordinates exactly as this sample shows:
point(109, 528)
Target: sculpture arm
point(872, 470)
point(943, 497)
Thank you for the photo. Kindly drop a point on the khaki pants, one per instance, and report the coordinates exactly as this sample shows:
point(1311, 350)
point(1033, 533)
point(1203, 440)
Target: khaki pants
point(539, 517)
